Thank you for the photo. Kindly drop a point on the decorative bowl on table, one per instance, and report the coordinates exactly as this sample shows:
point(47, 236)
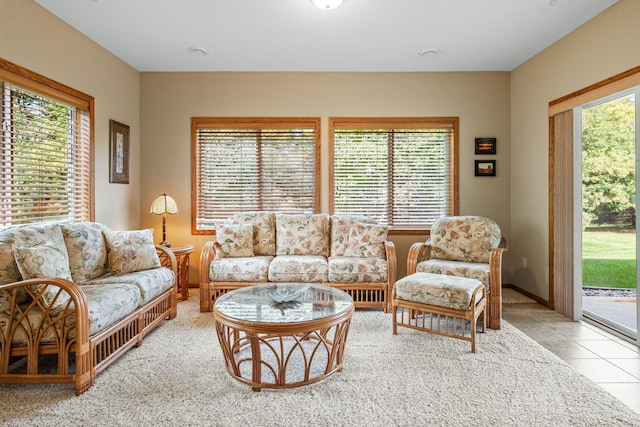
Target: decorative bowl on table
point(282, 295)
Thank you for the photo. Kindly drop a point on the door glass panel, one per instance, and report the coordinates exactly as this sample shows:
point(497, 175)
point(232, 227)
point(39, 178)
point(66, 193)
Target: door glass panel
point(609, 268)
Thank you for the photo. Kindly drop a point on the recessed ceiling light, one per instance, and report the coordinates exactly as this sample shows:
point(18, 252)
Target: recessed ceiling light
point(556, 2)
point(327, 4)
point(429, 52)
point(198, 51)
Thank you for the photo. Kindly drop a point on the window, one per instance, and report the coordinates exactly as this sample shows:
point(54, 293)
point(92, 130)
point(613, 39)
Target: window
point(252, 164)
point(45, 149)
point(401, 171)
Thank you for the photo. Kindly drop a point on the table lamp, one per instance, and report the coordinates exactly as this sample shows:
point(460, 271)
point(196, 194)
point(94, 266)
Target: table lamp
point(164, 205)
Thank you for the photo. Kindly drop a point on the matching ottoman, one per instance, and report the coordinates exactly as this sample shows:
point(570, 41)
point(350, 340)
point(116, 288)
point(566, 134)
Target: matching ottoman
point(440, 304)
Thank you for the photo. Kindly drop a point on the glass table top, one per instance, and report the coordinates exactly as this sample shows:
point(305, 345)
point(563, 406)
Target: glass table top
point(283, 303)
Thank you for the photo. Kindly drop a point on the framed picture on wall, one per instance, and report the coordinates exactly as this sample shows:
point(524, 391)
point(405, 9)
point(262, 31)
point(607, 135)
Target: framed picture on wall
point(118, 152)
point(485, 168)
point(485, 146)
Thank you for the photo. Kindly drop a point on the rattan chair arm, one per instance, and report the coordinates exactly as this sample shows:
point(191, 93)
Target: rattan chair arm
point(418, 252)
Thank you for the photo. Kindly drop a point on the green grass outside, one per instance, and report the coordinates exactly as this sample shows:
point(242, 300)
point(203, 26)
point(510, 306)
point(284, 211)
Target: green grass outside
point(609, 259)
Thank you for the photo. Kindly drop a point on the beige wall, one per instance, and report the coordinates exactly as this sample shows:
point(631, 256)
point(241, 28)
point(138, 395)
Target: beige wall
point(169, 100)
point(603, 47)
point(33, 38)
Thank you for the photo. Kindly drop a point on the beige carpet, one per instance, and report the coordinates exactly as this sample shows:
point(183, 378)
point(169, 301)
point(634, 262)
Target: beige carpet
point(177, 378)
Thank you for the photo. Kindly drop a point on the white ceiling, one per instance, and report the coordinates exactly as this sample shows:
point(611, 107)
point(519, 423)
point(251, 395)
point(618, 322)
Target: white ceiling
point(294, 35)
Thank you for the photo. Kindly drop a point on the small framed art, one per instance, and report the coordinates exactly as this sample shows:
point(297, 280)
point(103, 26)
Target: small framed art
point(485, 168)
point(118, 152)
point(485, 146)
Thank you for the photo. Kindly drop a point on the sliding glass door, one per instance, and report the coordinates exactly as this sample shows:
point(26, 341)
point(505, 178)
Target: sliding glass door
point(606, 130)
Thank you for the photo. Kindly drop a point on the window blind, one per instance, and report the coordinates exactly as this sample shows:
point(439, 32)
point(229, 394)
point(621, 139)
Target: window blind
point(402, 174)
point(253, 165)
point(45, 158)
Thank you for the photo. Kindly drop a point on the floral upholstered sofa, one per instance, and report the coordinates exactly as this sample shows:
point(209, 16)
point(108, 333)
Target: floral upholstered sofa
point(81, 294)
point(348, 252)
point(467, 246)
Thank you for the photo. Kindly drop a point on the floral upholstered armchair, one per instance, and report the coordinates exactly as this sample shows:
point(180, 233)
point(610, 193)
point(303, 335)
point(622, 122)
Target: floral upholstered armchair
point(467, 246)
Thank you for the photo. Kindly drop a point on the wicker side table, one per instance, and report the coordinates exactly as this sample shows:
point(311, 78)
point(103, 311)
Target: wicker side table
point(182, 253)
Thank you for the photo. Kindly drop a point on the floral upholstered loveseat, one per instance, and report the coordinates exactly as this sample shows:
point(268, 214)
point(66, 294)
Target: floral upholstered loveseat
point(467, 246)
point(80, 295)
point(351, 253)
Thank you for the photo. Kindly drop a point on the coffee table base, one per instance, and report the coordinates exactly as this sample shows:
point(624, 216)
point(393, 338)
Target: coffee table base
point(283, 356)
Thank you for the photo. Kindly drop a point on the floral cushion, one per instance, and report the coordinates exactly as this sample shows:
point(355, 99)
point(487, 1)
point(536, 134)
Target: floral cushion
point(264, 230)
point(87, 249)
point(366, 241)
point(455, 268)
point(150, 283)
point(250, 269)
point(46, 260)
point(235, 240)
point(464, 238)
point(357, 270)
point(305, 234)
point(130, 251)
point(437, 289)
point(298, 268)
point(340, 228)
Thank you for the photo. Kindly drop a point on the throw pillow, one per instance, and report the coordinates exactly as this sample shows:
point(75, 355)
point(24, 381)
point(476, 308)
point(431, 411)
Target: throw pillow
point(366, 241)
point(47, 260)
point(235, 240)
point(130, 251)
point(86, 248)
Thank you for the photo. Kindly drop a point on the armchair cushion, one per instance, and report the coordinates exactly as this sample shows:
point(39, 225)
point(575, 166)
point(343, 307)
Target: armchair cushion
point(464, 238)
point(131, 251)
point(236, 240)
point(471, 270)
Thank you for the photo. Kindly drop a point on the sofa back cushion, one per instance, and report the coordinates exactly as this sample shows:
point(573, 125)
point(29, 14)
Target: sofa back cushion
point(235, 240)
point(366, 241)
point(304, 234)
point(464, 238)
point(264, 230)
point(130, 251)
point(87, 249)
point(341, 226)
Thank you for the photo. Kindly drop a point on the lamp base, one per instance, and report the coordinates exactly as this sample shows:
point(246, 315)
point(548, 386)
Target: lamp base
point(165, 244)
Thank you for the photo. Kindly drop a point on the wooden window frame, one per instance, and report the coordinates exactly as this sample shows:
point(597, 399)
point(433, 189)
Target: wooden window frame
point(248, 123)
point(391, 123)
point(40, 85)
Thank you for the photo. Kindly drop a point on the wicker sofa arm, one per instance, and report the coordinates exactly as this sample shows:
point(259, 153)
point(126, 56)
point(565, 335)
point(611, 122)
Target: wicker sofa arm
point(207, 255)
point(392, 262)
point(46, 326)
point(168, 259)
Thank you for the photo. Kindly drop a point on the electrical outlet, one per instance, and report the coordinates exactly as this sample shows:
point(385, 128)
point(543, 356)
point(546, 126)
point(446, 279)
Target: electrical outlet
point(524, 263)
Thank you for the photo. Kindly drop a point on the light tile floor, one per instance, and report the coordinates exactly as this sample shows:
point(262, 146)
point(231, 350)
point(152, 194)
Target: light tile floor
point(609, 361)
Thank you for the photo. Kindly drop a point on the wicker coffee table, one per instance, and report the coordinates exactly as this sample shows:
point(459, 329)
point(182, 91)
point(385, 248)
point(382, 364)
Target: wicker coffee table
point(283, 335)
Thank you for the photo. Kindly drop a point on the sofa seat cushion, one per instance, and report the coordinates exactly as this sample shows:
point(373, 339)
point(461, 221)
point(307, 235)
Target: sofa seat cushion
point(299, 268)
point(249, 269)
point(107, 304)
point(357, 270)
point(456, 268)
point(437, 289)
point(151, 283)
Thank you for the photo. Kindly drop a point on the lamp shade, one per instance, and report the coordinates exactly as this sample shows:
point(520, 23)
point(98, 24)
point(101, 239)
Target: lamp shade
point(327, 4)
point(164, 205)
